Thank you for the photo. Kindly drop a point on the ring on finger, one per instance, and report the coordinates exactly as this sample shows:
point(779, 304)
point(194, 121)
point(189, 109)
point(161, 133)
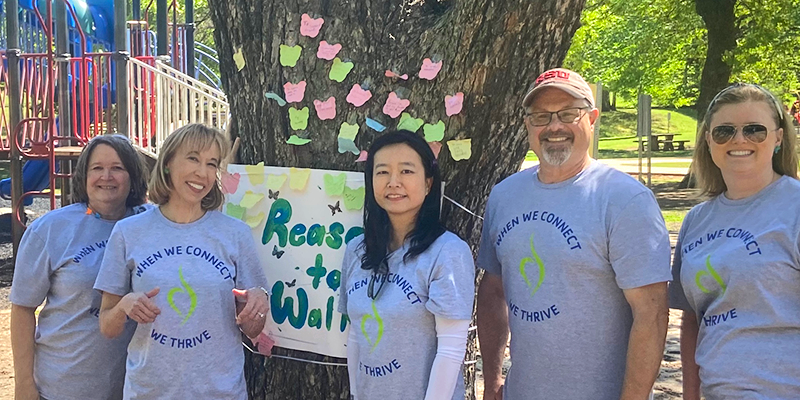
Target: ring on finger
point(261, 315)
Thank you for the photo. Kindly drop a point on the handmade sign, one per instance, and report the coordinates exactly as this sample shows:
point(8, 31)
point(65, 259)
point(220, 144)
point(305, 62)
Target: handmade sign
point(301, 236)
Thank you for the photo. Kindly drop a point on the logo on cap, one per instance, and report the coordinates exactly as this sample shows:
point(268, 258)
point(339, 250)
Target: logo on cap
point(552, 74)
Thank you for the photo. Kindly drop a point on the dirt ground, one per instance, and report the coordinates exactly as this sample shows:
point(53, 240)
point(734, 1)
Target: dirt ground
point(668, 385)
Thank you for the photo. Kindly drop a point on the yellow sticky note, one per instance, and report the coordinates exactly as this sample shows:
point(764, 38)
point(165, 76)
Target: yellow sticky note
point(238, 58)
point(255, 173)
point(275, 182)
point(334, 184)
point(353, 198)
point(250, 199)
point(348, 131)
point(460, 149)
point(254, 220)
point(298, 178)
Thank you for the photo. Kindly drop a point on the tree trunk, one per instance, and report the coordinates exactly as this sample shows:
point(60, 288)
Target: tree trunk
point(492, 51)
point(720, 20)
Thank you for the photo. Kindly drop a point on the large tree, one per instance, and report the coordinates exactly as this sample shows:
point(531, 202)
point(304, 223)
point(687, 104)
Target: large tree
point(491, 51)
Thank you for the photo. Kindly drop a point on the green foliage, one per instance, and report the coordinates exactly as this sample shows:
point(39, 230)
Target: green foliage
point(641, 46)
point(658, 47)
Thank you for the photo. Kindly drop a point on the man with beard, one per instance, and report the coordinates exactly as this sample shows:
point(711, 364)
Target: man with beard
point(576, 259)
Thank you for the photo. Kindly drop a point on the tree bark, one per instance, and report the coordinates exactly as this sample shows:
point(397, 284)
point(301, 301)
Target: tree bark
point(492, 50)
point(720, 20)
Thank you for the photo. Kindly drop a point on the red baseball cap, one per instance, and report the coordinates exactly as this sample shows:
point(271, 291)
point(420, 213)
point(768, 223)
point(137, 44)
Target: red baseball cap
point(564, 79)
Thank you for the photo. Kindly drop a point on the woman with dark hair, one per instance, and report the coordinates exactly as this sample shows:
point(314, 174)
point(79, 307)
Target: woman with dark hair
point(736, 270)
point(188, 275)
point(63, 355)
point(407, 283)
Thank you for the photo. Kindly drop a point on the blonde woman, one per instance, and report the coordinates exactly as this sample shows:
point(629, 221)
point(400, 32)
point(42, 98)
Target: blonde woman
point(737, 263)
point(175, 270)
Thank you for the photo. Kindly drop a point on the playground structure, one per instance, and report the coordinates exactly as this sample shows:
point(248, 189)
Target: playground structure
point(74, 69)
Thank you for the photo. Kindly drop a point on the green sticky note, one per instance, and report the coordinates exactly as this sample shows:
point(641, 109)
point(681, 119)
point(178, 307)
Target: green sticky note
point(347, 131)
point(339, 70)
point(353, 198)
point(435, 132)
point(334, 184)
point(409, 123)
point(297, 140)
point(298, 119)
point(290, 55)
point(275, 182)
point(250, 199)
point(235, 211)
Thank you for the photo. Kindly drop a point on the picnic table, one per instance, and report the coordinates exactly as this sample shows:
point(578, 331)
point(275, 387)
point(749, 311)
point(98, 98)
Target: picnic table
point(663, 142)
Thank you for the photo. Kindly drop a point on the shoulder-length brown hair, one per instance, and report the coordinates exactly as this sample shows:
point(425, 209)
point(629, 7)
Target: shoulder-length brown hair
point(709, 176)
point(197, 137)
point(131, 160)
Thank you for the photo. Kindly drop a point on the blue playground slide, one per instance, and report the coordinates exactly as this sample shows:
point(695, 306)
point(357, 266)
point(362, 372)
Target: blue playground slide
point(35, 176)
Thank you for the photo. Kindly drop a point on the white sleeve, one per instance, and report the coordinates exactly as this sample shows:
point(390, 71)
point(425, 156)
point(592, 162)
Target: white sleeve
point(452, 344)
point(352, 361)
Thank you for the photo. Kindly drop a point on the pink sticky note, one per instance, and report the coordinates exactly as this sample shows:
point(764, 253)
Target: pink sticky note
point(230, 182)
point(429, 69)
point(358, 96)
point(326, 109)
point(294, 92)
point(309, 26)
point(363, 156)
point(328, 51)
point(392, 74)
point(436, 147)
point(453, 104)
point(395, 105)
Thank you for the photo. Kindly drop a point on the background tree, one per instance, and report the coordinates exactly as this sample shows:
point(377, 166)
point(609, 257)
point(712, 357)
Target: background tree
point(663, 47)
point(491, 51)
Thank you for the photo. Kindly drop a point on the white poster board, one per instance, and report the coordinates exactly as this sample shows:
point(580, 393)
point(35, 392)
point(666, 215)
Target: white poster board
point(301, 220)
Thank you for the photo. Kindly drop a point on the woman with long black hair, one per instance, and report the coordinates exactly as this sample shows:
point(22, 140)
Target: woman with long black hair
point(407, 283)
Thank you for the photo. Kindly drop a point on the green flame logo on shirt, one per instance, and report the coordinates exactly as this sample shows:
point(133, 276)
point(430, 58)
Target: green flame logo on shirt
point(535, 258)
point(187, 290)
point(377, 319)
point(709, 271)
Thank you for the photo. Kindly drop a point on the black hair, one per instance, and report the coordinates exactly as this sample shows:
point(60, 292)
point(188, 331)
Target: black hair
point(131, 160)
point(377, 227)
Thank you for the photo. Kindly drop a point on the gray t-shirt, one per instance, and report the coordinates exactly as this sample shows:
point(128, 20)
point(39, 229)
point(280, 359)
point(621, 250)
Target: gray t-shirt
point(398, 342)
point(565, 252)
point(737, 266)
point(193, 349)
point(58, 261)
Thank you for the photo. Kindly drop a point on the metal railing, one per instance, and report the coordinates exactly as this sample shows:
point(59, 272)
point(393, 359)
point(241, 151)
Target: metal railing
point(162, 99)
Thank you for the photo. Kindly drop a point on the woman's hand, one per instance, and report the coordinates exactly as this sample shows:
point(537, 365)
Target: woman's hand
point(253, 315)
point(139, 306)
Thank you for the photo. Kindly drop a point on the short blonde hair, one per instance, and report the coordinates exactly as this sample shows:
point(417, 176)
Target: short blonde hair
point(708, 174)
point(198, 137)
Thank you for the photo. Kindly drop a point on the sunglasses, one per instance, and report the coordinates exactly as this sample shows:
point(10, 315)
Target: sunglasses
point(381, 278)
point(755, 133)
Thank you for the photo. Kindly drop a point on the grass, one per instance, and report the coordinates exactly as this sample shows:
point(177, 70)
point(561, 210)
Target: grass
point(674, 218)
point(672, 164)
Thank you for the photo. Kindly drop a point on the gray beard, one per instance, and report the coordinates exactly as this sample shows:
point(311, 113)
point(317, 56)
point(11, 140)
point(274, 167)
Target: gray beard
point(556, 157)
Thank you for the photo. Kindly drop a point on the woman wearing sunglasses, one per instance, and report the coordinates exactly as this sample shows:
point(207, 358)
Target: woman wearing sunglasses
point(736, 270)
point(407, 283)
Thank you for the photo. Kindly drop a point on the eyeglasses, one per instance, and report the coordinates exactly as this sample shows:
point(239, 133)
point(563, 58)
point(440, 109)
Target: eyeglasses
point(566, 116)
point(755, 133)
